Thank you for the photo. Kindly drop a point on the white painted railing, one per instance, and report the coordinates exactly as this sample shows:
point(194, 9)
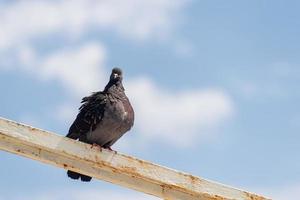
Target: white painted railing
point(113, 167)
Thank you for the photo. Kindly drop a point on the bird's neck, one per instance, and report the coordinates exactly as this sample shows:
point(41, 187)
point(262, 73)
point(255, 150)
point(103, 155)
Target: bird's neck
point(116, 87)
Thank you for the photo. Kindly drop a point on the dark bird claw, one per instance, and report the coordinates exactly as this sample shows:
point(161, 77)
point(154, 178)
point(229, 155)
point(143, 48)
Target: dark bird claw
point(96, 146)
point(110, 149)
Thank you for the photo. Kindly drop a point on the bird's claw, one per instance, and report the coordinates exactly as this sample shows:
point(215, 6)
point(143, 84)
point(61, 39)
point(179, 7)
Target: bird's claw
point(110, 149)
point(96, 146)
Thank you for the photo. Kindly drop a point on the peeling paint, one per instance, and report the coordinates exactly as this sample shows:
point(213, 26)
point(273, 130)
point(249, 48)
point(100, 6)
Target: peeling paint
point(113, 167)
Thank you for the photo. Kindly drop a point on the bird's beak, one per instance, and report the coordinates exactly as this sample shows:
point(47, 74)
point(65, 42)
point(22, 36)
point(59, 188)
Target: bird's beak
point(115, 75)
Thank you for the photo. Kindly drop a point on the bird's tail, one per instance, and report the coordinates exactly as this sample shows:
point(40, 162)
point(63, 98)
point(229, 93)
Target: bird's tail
point(75, 175)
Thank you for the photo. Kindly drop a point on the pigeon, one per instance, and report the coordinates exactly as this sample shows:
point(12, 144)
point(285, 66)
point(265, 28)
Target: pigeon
point(103, 117)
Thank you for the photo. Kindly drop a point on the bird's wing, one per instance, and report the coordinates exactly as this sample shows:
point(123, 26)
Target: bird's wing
point(90, 114)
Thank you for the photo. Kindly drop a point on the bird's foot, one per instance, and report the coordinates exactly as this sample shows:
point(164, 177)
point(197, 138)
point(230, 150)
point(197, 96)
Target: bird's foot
point(110, 149)
point(96, 146)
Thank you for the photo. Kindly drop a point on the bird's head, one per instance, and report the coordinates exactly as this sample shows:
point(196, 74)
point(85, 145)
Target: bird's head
point(115, 81)
point(116, 75)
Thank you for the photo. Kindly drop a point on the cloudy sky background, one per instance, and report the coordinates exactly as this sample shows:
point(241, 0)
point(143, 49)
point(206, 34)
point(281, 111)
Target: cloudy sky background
point(214, 85)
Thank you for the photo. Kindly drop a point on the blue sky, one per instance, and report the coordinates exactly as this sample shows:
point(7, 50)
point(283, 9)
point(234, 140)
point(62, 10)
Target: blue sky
point(214, 85)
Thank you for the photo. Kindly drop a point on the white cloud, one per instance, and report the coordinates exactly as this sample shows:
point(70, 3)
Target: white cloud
point(25, 20)
point(80, 70)
point(26, 56)
point(177, 117)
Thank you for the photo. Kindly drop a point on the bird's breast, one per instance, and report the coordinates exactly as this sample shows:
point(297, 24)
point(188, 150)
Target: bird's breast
point(115, 122)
